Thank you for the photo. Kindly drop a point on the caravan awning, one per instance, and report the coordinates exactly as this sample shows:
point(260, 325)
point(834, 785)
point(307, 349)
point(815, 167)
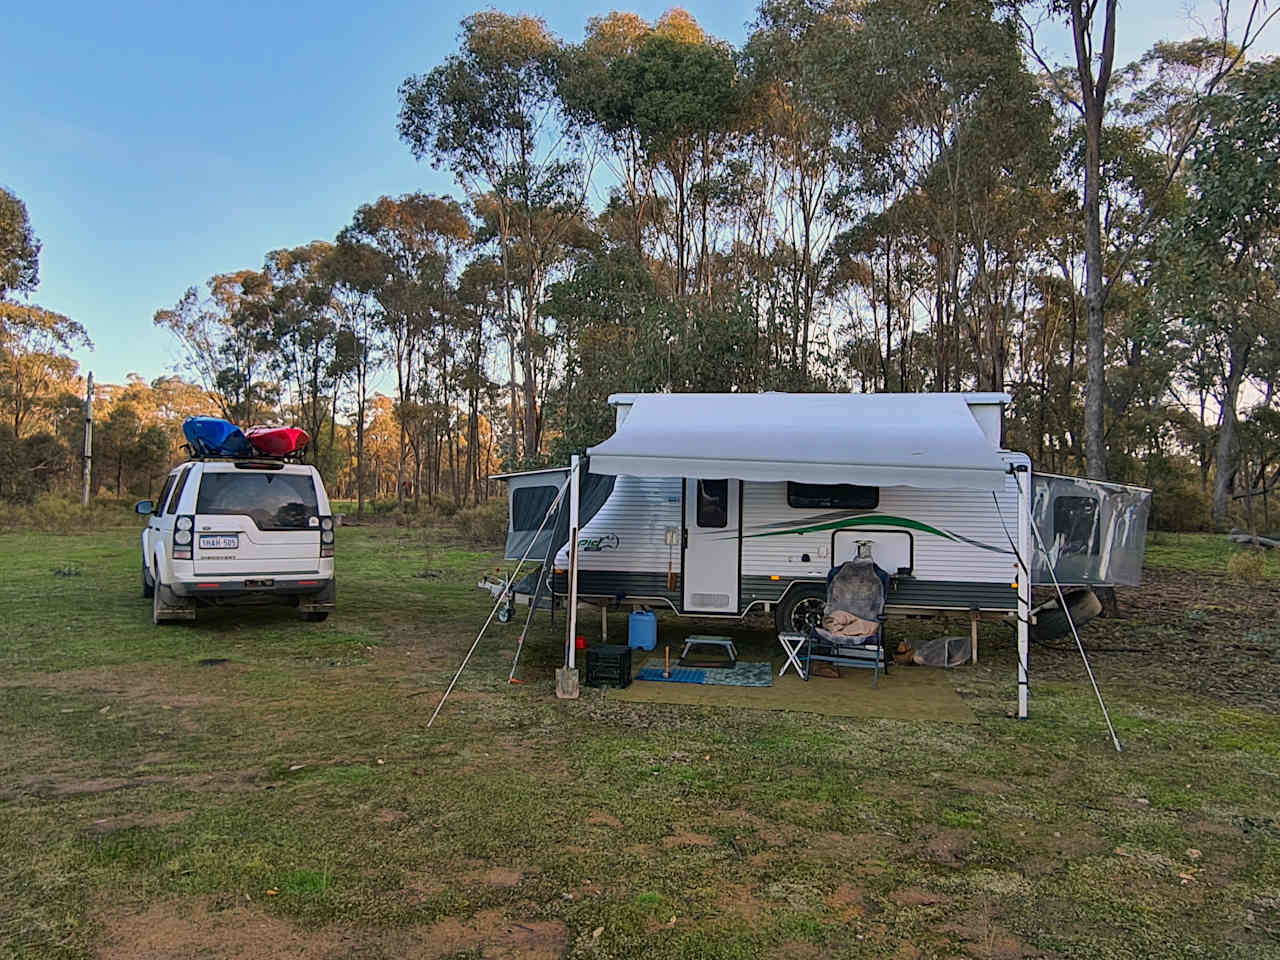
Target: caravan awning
point(886, 439)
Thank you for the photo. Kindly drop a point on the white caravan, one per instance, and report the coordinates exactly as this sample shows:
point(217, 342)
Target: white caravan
point(715, 505)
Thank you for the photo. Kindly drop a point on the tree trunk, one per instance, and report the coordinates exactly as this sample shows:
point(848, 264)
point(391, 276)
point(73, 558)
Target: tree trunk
point(1238, 350)
point(1094, 105)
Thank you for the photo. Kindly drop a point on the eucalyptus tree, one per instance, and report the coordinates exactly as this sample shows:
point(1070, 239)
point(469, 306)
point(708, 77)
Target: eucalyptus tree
point(19, 248)
point(795, 98)
point(1088, 91)
point(226, 343)
point(411, 245)
point(1229, 241)
point(302, 333)
point(353, 269)
point(35, 362)
point(492, 113)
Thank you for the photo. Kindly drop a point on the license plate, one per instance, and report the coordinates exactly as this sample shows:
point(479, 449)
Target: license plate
point(220, 541)
point(251, 584)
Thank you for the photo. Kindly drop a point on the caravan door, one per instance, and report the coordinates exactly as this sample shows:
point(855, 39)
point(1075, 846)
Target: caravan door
point(713, 533)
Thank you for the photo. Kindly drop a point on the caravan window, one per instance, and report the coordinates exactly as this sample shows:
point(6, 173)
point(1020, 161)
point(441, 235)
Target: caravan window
point(713, 503)
point(1075, 525)
point(832, 496)
point(529, 506)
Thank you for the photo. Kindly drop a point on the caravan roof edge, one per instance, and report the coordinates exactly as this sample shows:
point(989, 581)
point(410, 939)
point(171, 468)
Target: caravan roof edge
point(527, 473)
point(622, 398)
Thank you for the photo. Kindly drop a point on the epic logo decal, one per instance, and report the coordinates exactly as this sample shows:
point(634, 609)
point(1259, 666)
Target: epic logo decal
point(609, 541)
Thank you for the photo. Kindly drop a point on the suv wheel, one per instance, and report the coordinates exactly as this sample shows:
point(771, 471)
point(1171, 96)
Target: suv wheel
point(148, 587)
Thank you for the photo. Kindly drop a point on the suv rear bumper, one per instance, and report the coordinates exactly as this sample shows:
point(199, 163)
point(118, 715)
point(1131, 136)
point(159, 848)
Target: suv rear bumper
point(314, 594)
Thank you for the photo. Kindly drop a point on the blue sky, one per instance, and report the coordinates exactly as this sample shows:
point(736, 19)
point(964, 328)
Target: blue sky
point(156, 144)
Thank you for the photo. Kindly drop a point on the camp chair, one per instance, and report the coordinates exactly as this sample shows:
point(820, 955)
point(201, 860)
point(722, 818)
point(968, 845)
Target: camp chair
point(848, 651)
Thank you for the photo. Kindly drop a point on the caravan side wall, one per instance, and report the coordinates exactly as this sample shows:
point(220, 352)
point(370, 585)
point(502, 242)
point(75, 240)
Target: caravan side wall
point(951, 542)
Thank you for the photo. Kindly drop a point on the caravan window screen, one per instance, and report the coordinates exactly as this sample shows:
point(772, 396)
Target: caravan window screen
point(832, 496)
point(713, 503)
point(529, 506)
point(1075, 525)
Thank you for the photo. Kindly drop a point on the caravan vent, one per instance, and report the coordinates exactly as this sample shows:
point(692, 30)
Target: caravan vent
point(710, 599)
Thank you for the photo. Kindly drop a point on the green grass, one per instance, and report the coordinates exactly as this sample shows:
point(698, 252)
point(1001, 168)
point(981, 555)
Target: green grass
point(295, 789)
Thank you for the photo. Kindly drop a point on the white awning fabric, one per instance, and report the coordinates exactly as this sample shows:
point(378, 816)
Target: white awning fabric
point(872, 439)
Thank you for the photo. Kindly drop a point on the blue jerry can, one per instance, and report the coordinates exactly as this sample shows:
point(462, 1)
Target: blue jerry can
point(642, 630)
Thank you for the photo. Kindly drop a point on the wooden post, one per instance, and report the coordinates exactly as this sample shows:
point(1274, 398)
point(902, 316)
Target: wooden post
point(88, 442)
point(604, 623)
point(973, 633)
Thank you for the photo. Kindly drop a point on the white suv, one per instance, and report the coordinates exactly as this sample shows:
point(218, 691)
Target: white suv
point(234, 531)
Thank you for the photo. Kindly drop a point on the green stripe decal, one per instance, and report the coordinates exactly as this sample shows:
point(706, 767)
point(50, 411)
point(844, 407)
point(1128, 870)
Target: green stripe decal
point(880, 520)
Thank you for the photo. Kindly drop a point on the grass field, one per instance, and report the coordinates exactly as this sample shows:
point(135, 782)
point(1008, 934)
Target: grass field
point(253, 786)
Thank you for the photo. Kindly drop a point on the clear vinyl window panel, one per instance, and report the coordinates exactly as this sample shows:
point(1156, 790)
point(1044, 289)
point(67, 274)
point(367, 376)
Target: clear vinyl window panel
point(1092, 532)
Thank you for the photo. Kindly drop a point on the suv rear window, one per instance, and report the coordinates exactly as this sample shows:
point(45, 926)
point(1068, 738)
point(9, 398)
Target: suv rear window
point(274, 501)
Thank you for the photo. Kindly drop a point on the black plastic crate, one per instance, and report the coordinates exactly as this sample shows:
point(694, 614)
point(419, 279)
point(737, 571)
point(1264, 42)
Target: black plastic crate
point(608, 665)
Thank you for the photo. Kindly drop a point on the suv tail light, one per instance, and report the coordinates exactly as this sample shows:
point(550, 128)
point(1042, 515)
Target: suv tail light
point(183, 531)
point(326, 536)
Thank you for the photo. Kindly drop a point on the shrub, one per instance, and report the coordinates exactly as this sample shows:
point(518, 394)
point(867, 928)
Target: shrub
point(486, 523)
point(1248, 565)
point(54, 514)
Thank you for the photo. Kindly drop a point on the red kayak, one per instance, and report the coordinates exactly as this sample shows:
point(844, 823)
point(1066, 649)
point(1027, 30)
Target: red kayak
point(277, 441)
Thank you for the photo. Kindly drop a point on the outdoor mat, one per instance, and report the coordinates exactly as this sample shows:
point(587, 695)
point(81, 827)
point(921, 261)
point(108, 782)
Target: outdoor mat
point(906, 693)
point(741, 674)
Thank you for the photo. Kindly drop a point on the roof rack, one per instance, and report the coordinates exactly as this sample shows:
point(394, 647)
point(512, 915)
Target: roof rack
point(295, 457)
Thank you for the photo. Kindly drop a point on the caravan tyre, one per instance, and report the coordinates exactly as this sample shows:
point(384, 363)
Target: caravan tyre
point(1050, 622)
point(801, 608)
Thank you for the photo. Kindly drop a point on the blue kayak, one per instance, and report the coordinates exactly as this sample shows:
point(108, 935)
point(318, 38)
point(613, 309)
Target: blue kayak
point(215, 437)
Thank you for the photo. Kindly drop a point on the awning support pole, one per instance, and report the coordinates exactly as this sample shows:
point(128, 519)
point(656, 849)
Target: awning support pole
point(567, 679)
point(1024, 584)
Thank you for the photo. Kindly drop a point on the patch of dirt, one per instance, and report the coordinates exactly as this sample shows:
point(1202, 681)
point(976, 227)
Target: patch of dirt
point(127, 820)
point(226, 781)
point(132, 683)
point(390, 816)
point(917, 897)
point(849, 849)
point(599, 818)
point(907, 951)
point(684, 838)
point(181, 930)
point(176, 931)
point(847, 902)
point(773, 833)
point(489, 932)
point(739, 900)
point(71, 786)
point(948, 847)
point(493, 877)
point(986, 940)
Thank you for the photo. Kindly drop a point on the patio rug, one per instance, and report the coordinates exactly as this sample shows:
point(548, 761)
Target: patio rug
point(741, 674)
point(907, 693)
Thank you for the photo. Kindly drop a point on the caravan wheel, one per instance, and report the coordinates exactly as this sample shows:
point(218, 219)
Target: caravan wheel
point(801, 608)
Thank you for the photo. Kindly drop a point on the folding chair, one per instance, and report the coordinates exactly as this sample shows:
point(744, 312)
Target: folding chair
point(846, 651)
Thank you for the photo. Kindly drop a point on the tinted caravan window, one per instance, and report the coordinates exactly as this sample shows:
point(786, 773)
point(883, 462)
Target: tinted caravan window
point(713, 503)
point(275, 501)
point(529, 506)
point(1075, 524)
point(832, 496)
